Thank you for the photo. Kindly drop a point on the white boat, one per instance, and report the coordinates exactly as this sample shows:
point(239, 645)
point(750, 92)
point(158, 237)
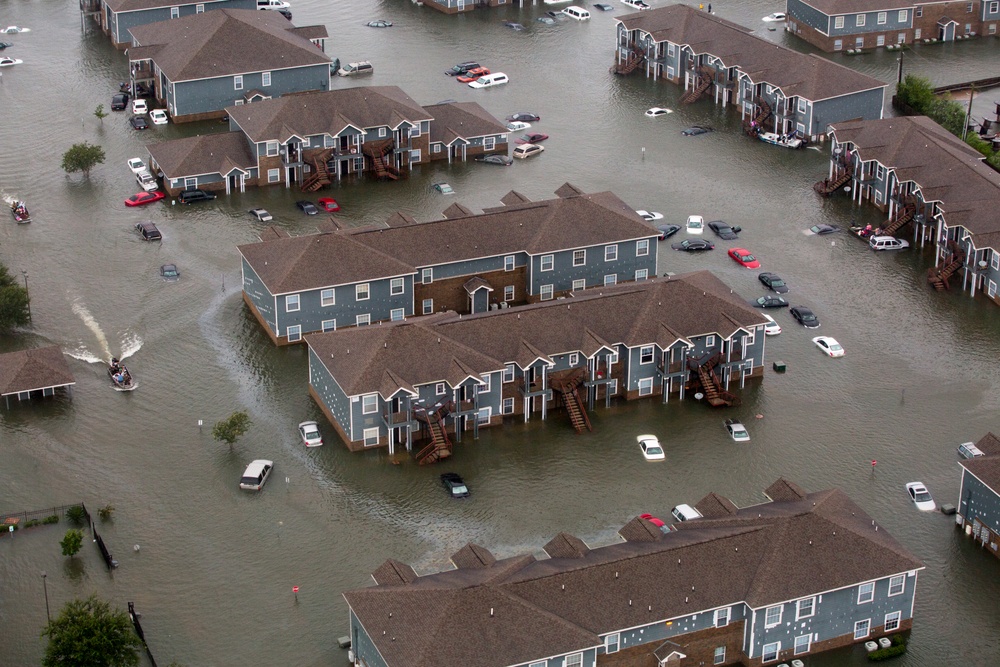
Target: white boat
point(780, 140)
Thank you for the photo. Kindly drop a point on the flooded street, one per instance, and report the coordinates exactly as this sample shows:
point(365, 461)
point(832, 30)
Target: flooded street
point(211, 568)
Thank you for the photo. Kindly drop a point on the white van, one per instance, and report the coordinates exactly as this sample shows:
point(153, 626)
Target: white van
point(887, 243)
point(488, 80)
point(145, 180)
point(685, 513)
point(578, 13)
point(354, 69)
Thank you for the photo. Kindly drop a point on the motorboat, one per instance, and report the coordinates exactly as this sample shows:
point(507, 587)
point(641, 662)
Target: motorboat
point(120, 376)
point(19, 210)
point(785, 141)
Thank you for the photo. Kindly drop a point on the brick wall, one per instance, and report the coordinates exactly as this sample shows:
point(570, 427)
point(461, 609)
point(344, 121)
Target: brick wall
point(449, 294)
point(699, 647)
point(956, 11)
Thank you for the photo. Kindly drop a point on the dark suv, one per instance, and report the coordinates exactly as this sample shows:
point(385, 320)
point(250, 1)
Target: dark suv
point(149, 231)
point(189, 196)
point(119, 102)
point(461, 68)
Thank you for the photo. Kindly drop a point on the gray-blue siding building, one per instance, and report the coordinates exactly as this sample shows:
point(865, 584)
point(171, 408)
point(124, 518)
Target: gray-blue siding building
point(776, 89)
point(752, 586)
point(198, 65)
point(979, 496)
point(428, 379)
point(118, 17)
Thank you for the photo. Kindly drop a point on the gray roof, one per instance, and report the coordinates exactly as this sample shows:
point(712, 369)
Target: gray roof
point(214, 44)
point(356, 255)
point(203, 154)
point(452, 347)
point(139, 5)
point(986, 468)
point(326, 112)
point(30, 370)
point(834, 7)
point(796, 74)
point(945, 167)
point(520, 609)
point(462, 120)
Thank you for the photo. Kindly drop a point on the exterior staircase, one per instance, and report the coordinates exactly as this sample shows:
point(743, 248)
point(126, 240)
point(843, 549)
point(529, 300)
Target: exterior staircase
point(320, 176)
point(938, 276)
point(711, 385)
point(827, 187)
point(377, 151)
point(439, 447)
point(707, 75)
point(569, 393)
point(630, 64)
point(903, 216)
point(753, 126)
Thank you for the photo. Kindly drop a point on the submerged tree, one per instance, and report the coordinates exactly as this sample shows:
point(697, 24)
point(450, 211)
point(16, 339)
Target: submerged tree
point(72, 542)
point(82, 157)
point(231, 429)
point(14, 306)
point(89, 633)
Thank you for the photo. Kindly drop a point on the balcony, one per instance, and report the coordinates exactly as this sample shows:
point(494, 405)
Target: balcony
point(535, 388)
point(397, 419)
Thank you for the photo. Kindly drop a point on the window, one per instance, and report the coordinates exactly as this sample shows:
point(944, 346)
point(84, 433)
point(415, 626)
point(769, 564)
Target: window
point(642, 247)
point(671, 72)
point(709, 341)
point(369, 404)
point(881, 18)
point(968, 28)
point(610, 253)
point(916, 31)
point(329, 325)
point(427, 276)
point(363, 320)
point(238, 82)
point(995, 260)
point(547, 262)
point(199, 9)
point(574, 359)
point(859, 20)
point(802, 644)
point(859, 42)
point(361, 292)
point(508, 263)
point(805, 608)
point(880, 40)
point(896, 584)
point(611, 643)
point(327, 297)
point(720, 655)
point(671, 49)
point(613, 359)
point(579, 257)
point(994, 7)
point(508, 293)
point(838, 44)
point(397, 314)
point(415, 155)
point(772, 616)
point(428, 306)
point(484, 416)
point(641, 274)
point(273, 175)
point(508, 406)
point(770, 652)
point(902, 15)
point(436, 148)
point(396, 286)
point(866, 592)
point(272, 148)
point(838, 22)
point(371, 437)
point(892, 621)
point(508, 373)
point(575, 660)
point(295, 333)
point(381, 132)
point(489, 143)
point(291, 303)
point(265, 79)
point(543, 663)
point(485, 387)
point(610, 279)
point(993, 28)
point(861, 628)
point(968, 8)
point(439, 389)
point(721, 617)
point(546, 292)
point(175, 12)
point(803, 105)
point(918, 12)
point(646, 354)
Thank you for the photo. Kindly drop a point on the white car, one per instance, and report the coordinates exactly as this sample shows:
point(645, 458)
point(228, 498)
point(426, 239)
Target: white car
point(145, 181)
point(527, 150)
point(517, 126)
point(10, 62)
point(256, 475)
point(649, 216)
point(139, 107)
point(489, 80)
point(737, 431)
point(968, 450)
point(13, 30)
point(920, 496)
point(829, 345)
point(887, 243)
point(159, 117)
point(650, 447)
point(695, 224)
point(136, 165)
point(273, 4)
point(262, 215)
point(309, 432)
point(775, 17)
point(658, 111)
point(772, 328)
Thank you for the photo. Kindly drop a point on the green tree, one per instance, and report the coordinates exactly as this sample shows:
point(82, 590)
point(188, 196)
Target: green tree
point(89, 633)
point(82, 157)
point(231, 429)
point(14, 308)
point(949, 115)
point(916, 92)
point(100, 113)
point(72, 542)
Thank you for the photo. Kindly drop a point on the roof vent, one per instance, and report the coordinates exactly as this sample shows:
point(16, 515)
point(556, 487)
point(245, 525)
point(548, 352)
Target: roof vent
point(685, 599)
point(491, 611)
point(650, 607)
point(564, 586)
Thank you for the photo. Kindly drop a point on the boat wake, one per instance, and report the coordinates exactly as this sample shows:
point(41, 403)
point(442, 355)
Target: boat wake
point(88, 319)
point(131, 344)
point(83, 354)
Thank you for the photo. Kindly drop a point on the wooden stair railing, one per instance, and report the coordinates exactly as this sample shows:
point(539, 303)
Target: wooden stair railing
point(828, 187)
point(902, 217)
point(440, 446)
point(631, 64)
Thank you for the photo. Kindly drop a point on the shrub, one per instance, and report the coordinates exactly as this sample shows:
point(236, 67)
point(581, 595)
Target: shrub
point(31, 523)
point(887, 653)
point(76, 514)
point(72, 542)
point(106, 512)
point(51, 519)
point(8, 526)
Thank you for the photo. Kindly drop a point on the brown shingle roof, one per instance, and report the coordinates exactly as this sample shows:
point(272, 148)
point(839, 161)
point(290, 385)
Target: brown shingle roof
point(565, 545)
point(714, 506)
point(394, 573)
point(472, 556)
point(203, 154)
point(29, 370)
point(796, 74)
point(462, 120)
point(326, 112)
point(782, 489)
point(137, 5)
point(640, 530)
point(834, 7)
point(212, 44)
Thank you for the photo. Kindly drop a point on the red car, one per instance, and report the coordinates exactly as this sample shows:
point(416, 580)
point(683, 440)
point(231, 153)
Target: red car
point(653, 520)
point(327, 204)
point(473, 74)
point(744, 258)
point(141, 198)
point(532, 138)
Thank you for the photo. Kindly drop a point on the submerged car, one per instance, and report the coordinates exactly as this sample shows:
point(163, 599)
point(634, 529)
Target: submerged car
point(695, 130)
point(657, 111)
point(136, 165)
point(772, 328)
point(649, 216)
point(119, 101)
point(261, 214)
point(531, 138)
point(527, 150)
point(307, 207)
point(138, 123)
point(737, 431)
point(461, 68)
point(328, 204)
point(769, 301)
point(773, 282)
point(666, 231)
point(604, 7)
point(191, 196)
point(379, 23)
point(159, 117)
point(148, 231)
point(256, 474)
point(310, 435)
point(489, 80)
point(968, 450)
point(823, 229)
point(695, 224)
point(455, 485)
point(724, 231)
point(775, 17)
point(523, 117)
point(920, 496)
point(693, 245)
point(10, 62)
point(650, 447)
point(169, 272)
point(887, 243)
point(444, 188)
point(473, 74)
point(517, 126)
point(743, 257)
point(829, 345)
point(143, 198)
point(805, 317)
point(503, 160)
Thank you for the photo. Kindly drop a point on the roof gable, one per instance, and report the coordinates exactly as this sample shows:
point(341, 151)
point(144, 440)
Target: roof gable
point(29, 370)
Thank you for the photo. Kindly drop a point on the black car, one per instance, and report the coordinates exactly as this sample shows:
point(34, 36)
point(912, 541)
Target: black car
point(768, 301)
point(666, 231)
point(189, 196)
point(723, 230)
point(773, 282)
point(693, 245)
point(149, 231)
point(604, 7)
point(286, 13)
point(556, 15)
point(138, 123)
point(504, 160)
point(523, 116)
point(4, 45)
point(462, 68)
point(824, 229)
point(696, 130)
point(307, 207)
point(119, 101)
point(170, 272)
point(454, 485)
point(805, 317)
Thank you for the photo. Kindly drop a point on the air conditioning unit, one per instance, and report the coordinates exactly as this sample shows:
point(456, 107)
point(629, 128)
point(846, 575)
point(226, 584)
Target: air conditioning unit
point(350, 656)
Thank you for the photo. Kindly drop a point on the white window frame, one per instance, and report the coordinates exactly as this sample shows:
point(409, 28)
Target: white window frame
point(719, 656)
point(799, 650)
point(328, 325)
point(265, 79)
point(508, 263)
point(397, 315)
point(397, 286)
point(866, 624)
point(722, 617)
point(545, 292)
point(369, 400)
point(370, 434)
point(774, 647)
point(294, 333)
point(799, 614)
point(363, 320)
point(489, 143)
point(293, 302)
point(671, 72)
point(838, 44)
point(271, 148)
point(415, 155)
point(641, 274)
point(646, 351)
point(199, 9)
point(642, 247)
point(508, 373)
point(880, 40)
point(610, 279)
point(574, 660)
point(574, 359)
point(611, 643)
point(362, 292)
point(547, 260)
point(238, 82)
point(579, 258)
point(507, 407)
point(898, 580)
point(440, 389)
point(994, 7)
point(328, 297)
point(995, 260)
point(968, 8)
point(859, 42)
point(484, 415)
point(381, 133)
point(579, 284)
point(427, 276)
point(427, 306)
point(435, 148)
point(869, 594)
point(671, 49)
point(859, 20)
point(488, 384)
point(175, 12)
point(838, 22)
point(709, 341)
point(273, 175)
point(508, 293)
point(895, 617)
point(903, 15)
point(881, 18)
point(768, 621)
point(611, 253)
point(803, 105)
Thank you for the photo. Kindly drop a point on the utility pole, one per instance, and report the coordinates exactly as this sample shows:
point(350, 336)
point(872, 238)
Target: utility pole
point(968, 113)
point(899, 71)
point(25, 274)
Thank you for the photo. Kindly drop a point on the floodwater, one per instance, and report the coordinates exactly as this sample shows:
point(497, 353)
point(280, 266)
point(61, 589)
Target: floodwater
point(212, 568)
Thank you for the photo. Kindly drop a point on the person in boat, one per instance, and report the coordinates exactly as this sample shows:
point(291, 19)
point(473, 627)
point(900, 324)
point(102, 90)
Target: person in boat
point(114, 365)
point(119, 378)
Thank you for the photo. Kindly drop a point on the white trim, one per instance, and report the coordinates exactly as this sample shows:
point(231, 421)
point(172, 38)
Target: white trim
point(899, 621)
point(901, 590)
